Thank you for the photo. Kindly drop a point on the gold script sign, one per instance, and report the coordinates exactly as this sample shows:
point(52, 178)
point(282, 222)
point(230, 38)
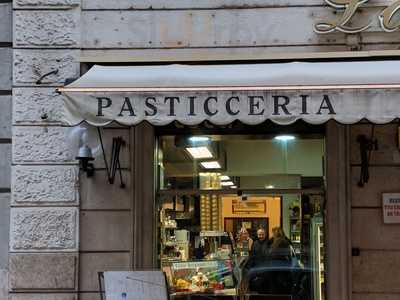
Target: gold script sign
point(350, 7)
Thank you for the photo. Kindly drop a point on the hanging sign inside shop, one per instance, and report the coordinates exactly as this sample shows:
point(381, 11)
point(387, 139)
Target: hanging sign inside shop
point(391, 208)
point(388, 17)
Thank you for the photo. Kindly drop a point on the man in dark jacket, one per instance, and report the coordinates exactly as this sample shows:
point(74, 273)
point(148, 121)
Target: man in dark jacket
point(253, 274)
point(260, 249)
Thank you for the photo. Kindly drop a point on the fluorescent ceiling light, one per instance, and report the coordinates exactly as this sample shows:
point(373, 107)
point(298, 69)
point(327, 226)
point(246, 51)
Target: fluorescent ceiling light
point(269, 187)
point(227, 183)
point(199, 152)
point(197, 139)
point(225, 177)
point(284, 138)
point(211, 164)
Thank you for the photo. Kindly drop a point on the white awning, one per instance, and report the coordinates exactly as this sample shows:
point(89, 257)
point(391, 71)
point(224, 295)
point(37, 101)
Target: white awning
point(252, 93)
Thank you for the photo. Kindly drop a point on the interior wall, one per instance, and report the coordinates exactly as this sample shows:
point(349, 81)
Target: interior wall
point(274, 157)
point(272, 212)
point(376, 271)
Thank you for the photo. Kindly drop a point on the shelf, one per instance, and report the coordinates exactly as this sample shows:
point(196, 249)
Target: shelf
point(170, 244)
point(212, 233)
point(169, 227)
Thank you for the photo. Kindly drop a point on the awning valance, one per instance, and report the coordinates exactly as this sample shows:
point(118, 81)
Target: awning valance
point(252, 93)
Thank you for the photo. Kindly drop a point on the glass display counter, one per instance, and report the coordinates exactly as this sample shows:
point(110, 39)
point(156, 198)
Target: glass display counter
point(210, 277)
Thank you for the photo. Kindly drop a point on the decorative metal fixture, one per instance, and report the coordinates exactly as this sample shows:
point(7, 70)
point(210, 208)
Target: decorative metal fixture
point(115, 164)
point(53, 72)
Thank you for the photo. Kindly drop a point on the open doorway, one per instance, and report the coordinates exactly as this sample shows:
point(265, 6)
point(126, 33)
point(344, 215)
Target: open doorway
point(215, 187)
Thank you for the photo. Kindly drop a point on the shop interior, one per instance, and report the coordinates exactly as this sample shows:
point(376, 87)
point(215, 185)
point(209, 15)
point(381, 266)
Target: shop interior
point(218, 192)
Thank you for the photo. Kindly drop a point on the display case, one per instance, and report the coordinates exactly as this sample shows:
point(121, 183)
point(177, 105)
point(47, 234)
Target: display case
point(295, 228)
point(200, 277)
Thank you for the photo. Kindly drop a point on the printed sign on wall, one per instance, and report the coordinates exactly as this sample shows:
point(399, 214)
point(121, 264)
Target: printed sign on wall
point(391, 208)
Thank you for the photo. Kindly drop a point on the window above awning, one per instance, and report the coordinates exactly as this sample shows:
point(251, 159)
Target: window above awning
point(252, 93)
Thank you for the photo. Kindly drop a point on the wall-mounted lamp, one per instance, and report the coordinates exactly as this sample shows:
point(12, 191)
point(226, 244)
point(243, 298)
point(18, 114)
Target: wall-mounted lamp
point(84, 156)
point(78, 140)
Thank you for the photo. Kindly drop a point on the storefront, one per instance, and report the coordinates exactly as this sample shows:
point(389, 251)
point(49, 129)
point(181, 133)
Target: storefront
point(241, 180)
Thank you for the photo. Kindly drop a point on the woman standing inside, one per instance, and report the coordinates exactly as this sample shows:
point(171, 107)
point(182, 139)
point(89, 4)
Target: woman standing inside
point(244, 243)
point(280, 246)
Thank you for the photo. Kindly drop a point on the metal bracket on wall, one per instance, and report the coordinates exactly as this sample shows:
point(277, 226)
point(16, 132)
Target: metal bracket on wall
point(53, 72)
point(366, 147)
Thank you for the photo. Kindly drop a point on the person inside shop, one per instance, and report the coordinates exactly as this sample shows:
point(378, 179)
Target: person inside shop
point(281, 256)
point(260, 249)
point(281, 248)
point(244, 243)
point(254, 269)
point(270, 264)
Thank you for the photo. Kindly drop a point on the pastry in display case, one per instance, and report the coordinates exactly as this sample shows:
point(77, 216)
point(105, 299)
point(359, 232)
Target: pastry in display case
point(200, 277)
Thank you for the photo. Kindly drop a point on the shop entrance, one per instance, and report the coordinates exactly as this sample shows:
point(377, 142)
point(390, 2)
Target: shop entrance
point(241, 212)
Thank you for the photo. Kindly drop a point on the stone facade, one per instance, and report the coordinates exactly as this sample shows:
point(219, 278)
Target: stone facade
point(43, 272)
point(5, 139)
point(46, 28)
point(30, 66)
point(41, 144)
point(50, 209)
point(44, 229)
point(45, 185)
point(57, 4)
point(37, 106)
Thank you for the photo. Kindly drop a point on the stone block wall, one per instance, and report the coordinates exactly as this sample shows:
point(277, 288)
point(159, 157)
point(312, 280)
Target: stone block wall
point(376, 271)
point(5, 139)
point(44, 229)
point(65, 227)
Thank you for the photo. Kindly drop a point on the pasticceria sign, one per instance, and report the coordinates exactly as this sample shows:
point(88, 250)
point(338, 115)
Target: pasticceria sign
point(350, 7)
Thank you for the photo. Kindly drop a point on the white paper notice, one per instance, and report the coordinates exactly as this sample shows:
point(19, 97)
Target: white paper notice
point(135, 285)
point(391, 208)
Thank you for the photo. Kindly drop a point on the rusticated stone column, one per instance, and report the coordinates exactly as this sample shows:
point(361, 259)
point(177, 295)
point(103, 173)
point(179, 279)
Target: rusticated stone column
point(44, 222)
